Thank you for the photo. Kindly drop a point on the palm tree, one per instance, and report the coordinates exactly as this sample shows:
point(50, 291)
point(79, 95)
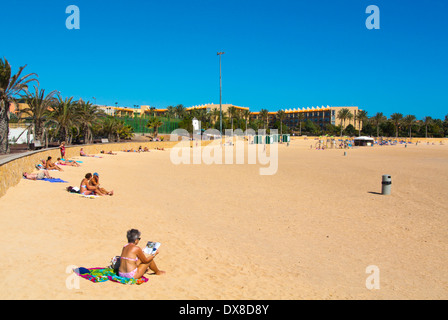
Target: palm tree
point(377, 119)
point(408, 121)
point(110, 126)
point(180, 111)
point(246, 116)
point(231, 111)
point(64, 116)
point(300, 117)
point(214, 115)
point(87, 115)
point(281, 114)
point(10, 87)
point(427, 121)
point(171, 112)
point(264, 115)
point(397, 119)
point(343, 114)
point(38, 108)
point(350, 117)
point(361, 117)
point(155, 123)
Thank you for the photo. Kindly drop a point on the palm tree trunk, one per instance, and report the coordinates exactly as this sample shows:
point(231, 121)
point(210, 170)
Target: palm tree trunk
point(4, 129)
point(46, 138)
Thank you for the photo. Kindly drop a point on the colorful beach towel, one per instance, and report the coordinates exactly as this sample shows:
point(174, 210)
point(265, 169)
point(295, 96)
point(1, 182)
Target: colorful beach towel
point(53, 180)
point(104, 274)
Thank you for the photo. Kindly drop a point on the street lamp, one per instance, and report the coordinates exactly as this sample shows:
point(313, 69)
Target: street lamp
point(220, 93)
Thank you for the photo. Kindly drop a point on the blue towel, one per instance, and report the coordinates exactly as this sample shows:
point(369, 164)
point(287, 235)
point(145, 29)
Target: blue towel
point(55, 180)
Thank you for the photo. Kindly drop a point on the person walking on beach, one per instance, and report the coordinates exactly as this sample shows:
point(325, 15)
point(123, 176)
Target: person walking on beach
point(133, 262)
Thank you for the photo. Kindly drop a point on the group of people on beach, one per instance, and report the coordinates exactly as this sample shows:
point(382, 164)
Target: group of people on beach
point(141, 149)
point(48, 164)
point(89, 184)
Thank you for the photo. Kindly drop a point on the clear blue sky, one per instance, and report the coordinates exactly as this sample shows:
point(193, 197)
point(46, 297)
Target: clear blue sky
point(278, 54)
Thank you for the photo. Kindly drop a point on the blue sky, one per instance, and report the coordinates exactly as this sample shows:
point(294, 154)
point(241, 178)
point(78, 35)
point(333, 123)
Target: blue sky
point(278, 54)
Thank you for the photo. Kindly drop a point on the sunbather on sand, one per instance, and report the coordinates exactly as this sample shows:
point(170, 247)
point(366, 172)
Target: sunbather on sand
point(83, 154)
point(49, 165)
point(42, 174)
point(110, 152)
point(67, 163)
point(95, 182)
point(134, 263)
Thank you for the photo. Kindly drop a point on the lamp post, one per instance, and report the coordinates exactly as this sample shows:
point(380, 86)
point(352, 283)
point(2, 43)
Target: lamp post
point(220, 93)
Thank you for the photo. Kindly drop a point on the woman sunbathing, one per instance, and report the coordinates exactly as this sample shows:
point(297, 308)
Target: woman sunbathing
point(95, 182)
point(67, 163)
point(83, 154)
point(49, 165)
point(42, 174)
point(110, 152)
point(133, 262)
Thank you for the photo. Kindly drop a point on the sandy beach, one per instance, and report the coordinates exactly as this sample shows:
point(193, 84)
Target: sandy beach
point(307, 232)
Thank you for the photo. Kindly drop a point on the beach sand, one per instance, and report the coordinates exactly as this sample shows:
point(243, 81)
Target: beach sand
point(227, 232)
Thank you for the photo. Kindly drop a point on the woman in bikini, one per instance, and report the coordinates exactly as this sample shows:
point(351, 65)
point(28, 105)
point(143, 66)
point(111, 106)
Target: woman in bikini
point(49, 165)
point(85, 188)
point(134, 263)
point(67, 163)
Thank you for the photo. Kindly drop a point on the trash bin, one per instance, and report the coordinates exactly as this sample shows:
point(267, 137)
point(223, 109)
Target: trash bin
point(386, 184)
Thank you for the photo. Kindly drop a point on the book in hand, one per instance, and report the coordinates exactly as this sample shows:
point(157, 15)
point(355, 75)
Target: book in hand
point(151, 247)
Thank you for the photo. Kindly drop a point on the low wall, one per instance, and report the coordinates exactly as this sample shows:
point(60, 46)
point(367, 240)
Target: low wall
point(12, 166)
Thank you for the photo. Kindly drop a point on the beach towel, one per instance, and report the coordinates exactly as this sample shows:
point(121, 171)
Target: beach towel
point(106, 274)
point(72, 160)
point(53, 180)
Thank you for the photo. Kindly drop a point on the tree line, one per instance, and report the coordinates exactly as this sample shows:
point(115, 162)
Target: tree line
point(397, 125)
point(55, 118)
point(51, 116)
